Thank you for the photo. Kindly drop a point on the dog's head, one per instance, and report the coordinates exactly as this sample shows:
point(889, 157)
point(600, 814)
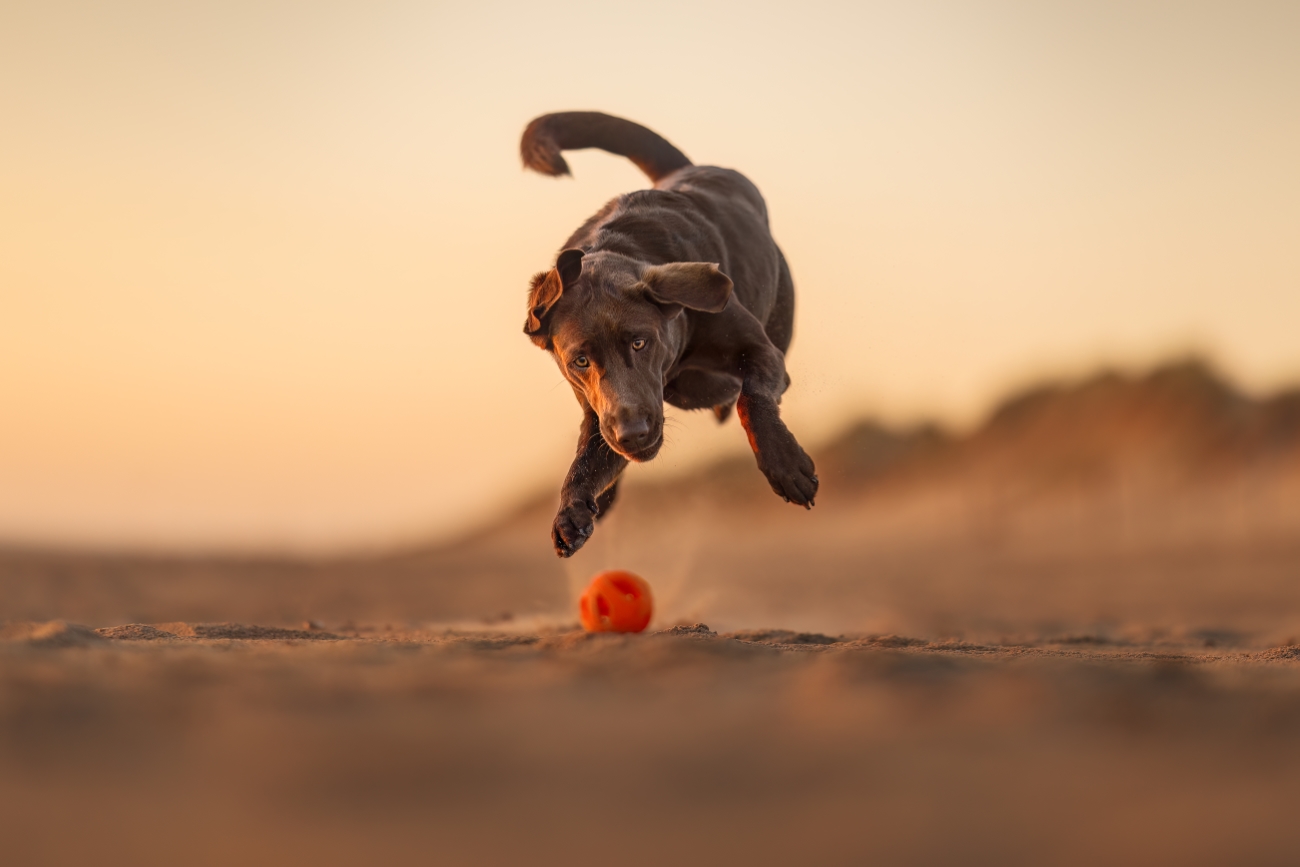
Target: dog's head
point(615, 328)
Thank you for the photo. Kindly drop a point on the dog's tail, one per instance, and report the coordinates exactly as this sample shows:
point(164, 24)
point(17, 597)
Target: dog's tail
point(549, 134)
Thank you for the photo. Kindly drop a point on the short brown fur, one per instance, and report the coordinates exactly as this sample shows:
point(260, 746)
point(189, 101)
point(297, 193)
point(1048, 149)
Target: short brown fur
point(675, 294)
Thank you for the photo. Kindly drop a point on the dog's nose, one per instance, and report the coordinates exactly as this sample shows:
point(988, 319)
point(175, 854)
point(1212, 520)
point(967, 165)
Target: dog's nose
point(632, 434)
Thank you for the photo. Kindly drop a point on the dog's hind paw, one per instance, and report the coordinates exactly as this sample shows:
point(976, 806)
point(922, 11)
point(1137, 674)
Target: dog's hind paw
point(573, 527)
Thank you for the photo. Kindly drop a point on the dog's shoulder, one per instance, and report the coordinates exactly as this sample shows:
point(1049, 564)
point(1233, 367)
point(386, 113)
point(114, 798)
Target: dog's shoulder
point(646, 224)
point(680, 219)
point(584, 236)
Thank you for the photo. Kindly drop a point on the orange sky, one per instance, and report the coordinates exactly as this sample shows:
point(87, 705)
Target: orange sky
point(262, 265)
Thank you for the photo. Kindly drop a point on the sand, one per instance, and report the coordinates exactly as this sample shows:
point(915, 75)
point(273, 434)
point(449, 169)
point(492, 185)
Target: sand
point(229, 743)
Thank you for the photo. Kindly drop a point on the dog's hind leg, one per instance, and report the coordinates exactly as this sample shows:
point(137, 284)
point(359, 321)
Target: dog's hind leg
point(704, 389)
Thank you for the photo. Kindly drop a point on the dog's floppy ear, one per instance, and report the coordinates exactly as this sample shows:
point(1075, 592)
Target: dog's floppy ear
point(548, 286)
point(696, 285)
point(546, 290)
point(569, 264)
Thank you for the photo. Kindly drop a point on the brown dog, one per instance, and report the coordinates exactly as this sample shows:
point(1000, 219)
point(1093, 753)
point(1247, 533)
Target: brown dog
point(676, 294)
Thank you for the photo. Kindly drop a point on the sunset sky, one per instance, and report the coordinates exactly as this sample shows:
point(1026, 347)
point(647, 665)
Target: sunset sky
point(263, 264)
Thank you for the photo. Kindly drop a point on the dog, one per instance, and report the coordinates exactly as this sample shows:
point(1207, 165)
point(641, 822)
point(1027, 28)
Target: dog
point(677, 295)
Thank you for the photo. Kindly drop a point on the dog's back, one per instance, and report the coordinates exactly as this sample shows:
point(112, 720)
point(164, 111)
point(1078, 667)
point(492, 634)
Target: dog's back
point(694, 213)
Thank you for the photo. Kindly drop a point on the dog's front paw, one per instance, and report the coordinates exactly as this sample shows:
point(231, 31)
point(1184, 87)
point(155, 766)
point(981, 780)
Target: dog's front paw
point(573, 526)
point(789, 470)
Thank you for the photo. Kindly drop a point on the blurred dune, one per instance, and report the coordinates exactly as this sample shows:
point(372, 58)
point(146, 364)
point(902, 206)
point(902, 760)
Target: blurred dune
point(1166, 502)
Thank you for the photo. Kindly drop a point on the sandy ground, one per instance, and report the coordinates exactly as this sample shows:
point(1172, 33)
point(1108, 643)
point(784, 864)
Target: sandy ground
point(237, 744)
point(1071, 636)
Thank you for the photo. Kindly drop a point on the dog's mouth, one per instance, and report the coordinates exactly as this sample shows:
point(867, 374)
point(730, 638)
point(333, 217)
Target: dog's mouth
point(645, 453)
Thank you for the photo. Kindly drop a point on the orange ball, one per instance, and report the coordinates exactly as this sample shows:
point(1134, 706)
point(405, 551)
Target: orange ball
point(616, 601)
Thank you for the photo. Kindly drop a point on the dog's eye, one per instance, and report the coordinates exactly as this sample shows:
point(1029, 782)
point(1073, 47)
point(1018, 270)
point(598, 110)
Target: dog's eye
point(581, 361)
point(638, 344)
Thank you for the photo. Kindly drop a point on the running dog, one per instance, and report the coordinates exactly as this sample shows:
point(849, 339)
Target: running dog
point(676, 294)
